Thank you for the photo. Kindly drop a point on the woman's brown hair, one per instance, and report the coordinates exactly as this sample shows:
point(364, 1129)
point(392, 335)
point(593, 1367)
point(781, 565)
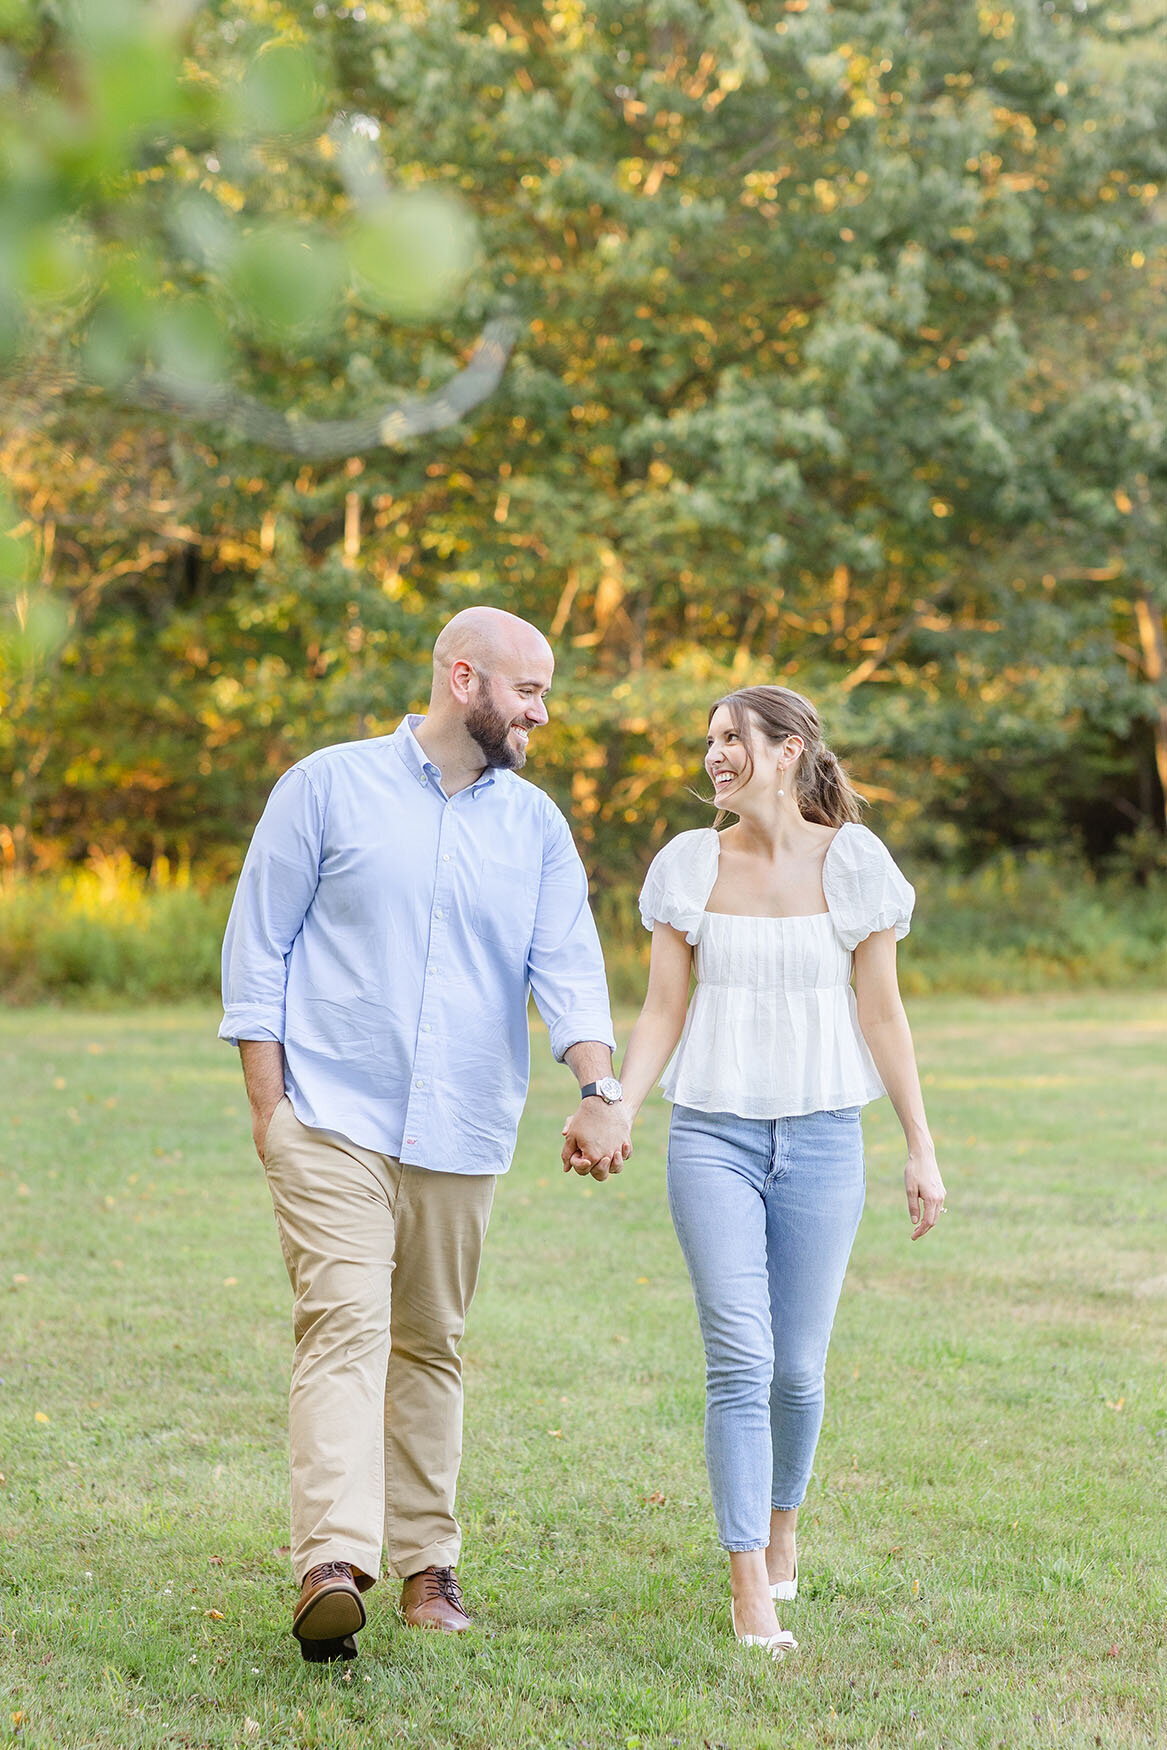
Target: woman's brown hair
point(822, 789)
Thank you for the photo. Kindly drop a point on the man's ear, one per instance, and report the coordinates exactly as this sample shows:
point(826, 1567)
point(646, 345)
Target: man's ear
point(462, 675)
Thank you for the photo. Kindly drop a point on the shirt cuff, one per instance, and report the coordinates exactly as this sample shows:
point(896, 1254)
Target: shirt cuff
point(571, 1030)
point(246, 1021)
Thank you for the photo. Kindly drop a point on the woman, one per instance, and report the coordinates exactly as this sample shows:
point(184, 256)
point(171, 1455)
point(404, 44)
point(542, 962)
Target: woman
point(777, 1055)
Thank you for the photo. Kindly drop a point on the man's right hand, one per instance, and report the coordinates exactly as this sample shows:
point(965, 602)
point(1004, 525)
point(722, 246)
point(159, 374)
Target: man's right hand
point(261, 1117)
point(263, 1072)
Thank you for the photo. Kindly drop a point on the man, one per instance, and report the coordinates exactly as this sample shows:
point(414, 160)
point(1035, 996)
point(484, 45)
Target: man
point(400, 898)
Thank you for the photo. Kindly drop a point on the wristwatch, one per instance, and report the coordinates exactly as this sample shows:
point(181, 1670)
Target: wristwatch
point(608, 1089)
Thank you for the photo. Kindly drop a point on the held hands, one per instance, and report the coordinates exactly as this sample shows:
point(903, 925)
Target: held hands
point(925, 1189)
point(596, 1139)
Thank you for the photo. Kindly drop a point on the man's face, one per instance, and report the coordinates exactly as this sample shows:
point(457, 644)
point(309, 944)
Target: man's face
point(506, 708)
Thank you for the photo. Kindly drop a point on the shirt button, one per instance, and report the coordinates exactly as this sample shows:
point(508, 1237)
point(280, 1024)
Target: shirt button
point(425, 780)
point(425, 1026)
point(419, 1083)
point(445, 856)
point(437, 911)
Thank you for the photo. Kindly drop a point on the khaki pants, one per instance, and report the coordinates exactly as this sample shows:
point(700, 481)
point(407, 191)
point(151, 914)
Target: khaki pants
point(376, 1398)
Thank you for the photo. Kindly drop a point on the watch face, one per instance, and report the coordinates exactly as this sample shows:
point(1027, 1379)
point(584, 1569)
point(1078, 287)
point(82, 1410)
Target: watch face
point(610, 1089)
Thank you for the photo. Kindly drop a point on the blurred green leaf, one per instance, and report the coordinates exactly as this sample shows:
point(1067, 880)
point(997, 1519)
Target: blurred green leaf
point(57, 262)
point(412, 252)
point(187, 342)
point(279, 93)
point(288, 279)
point(17, 17)
point(133, 85)
point(113, 346)
point(202, 227)
point(97, 23)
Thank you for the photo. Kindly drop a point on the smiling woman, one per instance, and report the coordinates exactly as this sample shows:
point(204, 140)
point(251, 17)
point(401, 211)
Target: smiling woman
point(824, 792)
point(770, 1066)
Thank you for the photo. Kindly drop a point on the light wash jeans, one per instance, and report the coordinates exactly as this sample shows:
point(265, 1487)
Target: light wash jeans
point(766, 1212)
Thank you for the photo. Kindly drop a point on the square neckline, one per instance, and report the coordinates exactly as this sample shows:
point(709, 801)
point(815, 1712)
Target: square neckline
point(791, 917)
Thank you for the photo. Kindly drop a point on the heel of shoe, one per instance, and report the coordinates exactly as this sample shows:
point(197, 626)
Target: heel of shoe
point(785, 1591)
point(776, 1645)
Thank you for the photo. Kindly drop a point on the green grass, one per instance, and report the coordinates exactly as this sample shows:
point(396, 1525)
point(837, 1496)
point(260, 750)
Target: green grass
point(983, 1547)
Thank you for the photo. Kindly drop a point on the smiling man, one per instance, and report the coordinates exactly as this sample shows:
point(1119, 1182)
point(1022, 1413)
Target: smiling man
point(400, 899)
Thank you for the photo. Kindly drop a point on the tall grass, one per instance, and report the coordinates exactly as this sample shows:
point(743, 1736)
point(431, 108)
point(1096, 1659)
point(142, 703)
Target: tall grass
point(111, 930)
point(1018, 924)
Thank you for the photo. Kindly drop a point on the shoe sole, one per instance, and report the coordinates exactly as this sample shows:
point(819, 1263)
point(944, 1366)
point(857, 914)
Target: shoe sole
point(330, 1616)
point(327, 1652)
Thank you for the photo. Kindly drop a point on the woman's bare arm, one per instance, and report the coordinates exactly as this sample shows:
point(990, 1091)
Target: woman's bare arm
point(662, 1018)
point(884, 1026)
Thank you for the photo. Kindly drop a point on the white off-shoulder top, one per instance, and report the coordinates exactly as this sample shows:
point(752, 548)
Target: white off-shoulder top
point(772, 1029)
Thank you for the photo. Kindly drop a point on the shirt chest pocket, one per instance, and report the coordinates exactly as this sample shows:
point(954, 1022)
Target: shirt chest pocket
point(503, 911)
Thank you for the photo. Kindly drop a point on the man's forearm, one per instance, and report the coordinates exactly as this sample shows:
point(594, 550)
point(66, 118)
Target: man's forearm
point(263, 1073)
point(589, 1061)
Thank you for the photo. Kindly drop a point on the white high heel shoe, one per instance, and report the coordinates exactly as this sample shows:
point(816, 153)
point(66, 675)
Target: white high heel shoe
point(776, 1645)
point(785, 1591)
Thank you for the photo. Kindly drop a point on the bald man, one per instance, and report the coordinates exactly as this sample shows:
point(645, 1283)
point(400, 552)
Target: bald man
point(401, 898)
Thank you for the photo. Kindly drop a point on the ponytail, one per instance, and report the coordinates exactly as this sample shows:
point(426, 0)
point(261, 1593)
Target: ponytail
point(824, 791)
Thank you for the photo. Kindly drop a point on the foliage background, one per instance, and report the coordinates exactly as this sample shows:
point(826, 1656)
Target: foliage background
point(841, 362)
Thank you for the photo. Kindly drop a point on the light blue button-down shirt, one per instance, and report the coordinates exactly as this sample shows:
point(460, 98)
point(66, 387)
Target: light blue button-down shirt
point(388, 935)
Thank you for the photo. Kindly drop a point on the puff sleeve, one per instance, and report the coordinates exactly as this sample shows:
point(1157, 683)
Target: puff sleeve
point(864, 890)
point(679, 881)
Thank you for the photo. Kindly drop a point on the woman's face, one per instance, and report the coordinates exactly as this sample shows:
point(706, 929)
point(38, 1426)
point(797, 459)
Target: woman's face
point(728, 763)
point(726, 759)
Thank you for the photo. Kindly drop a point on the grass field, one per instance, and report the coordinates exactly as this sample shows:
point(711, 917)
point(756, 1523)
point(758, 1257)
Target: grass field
point(983, 1547)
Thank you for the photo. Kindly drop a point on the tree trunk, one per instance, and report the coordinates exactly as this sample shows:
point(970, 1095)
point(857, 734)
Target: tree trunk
point(1151, 637)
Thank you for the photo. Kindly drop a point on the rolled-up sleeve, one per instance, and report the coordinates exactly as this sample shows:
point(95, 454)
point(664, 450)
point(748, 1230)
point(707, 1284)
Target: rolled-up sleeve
point(279, 877)
point(565, 963)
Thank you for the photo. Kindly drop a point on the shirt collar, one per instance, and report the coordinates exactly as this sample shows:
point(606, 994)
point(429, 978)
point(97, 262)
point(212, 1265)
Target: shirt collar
point(423, 768)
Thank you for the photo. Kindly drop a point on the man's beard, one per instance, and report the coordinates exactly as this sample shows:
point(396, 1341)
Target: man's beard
point(486, 725)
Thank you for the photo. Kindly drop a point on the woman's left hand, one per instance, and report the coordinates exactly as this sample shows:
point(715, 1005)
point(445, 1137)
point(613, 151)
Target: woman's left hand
point(925, 1189)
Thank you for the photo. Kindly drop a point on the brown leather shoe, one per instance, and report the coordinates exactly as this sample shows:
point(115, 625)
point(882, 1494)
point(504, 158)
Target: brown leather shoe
point(433, 1599)
point(330, 1607)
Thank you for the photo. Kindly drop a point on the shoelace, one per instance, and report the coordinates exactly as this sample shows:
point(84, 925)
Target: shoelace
point(330, 1571)
point(442, 1583)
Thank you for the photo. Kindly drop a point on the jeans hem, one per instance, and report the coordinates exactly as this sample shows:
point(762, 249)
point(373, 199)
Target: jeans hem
point(741, 1549)
point(777, 1506)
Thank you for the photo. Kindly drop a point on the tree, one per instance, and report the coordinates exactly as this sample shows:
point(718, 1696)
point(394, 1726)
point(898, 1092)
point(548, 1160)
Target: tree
point(806, 297)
